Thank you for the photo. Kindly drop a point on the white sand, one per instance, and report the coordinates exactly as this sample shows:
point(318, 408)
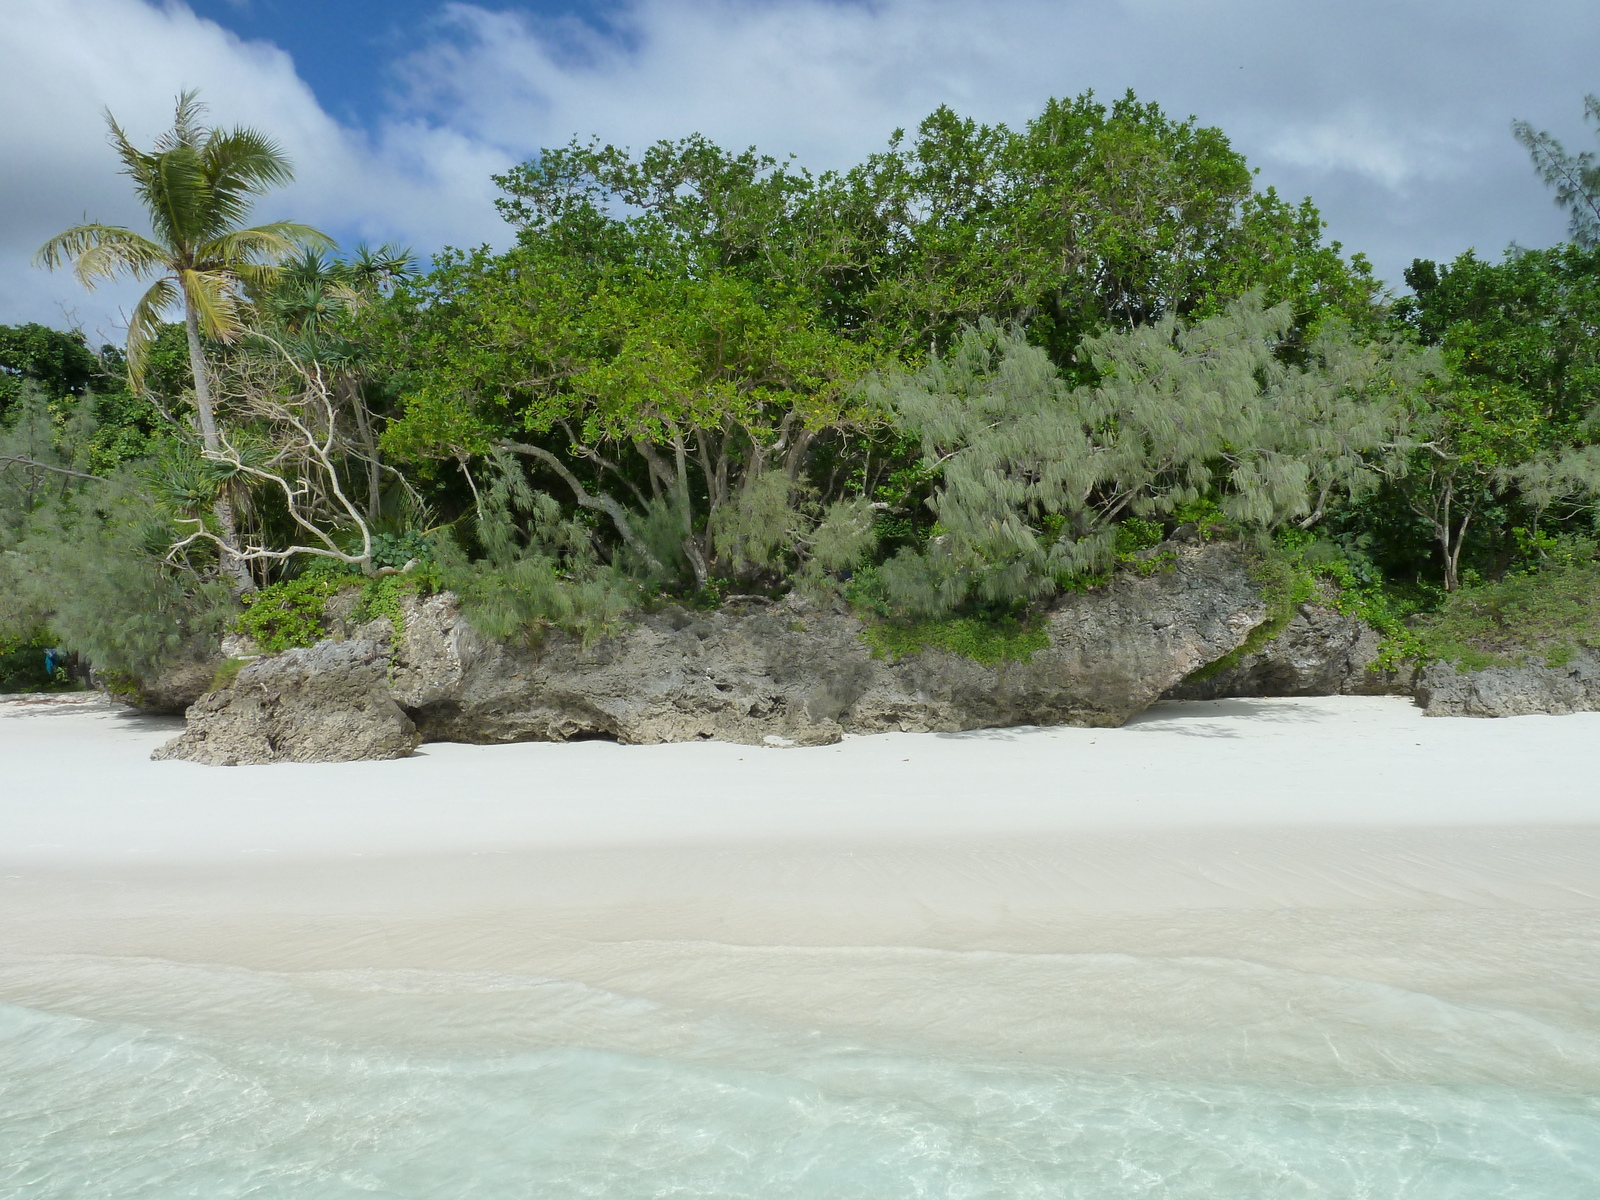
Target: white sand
point(77, 786)
point(942, 887)
point(1308, 803)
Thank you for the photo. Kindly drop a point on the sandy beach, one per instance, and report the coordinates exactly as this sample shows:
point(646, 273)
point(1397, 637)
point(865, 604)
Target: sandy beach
point(1319, 893)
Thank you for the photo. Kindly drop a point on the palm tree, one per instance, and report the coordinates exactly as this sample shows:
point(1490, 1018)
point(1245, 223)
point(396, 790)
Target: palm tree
point(196, 185)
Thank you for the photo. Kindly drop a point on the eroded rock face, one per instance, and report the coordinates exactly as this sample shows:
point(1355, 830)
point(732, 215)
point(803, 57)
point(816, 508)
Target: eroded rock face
point(330, 703)
point(790, 672)
point(1320, 652)
point(168, 693)
point(1512, 691)
point(798, 673)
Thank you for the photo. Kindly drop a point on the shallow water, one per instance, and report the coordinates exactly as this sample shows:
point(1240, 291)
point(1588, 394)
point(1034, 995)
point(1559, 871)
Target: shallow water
point(968, 1075)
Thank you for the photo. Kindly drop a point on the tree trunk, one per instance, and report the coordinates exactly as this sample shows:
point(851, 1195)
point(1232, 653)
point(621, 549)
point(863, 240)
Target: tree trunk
point(222, 509)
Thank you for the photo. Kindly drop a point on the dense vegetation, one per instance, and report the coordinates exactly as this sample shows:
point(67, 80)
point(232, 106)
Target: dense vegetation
point(984, 366)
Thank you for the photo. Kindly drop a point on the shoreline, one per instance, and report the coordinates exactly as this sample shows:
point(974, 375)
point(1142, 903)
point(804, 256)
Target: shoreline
point(931, 911)
point(1022, 840)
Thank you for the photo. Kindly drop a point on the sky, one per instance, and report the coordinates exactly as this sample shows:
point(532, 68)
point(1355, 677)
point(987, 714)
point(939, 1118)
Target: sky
point(1393, 115)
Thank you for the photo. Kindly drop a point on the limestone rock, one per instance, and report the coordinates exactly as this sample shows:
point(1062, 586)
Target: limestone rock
point(755, 671)
point(168, 692)
point(794, 672)
point(1320, 652)
point(1512, 691)
point(330, 703)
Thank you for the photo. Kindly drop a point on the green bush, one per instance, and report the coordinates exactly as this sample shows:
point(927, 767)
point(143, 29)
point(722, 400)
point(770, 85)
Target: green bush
point(22, 666)
point(1544, 616)
point(289, 614)
point(381, 597)
point(989, 641)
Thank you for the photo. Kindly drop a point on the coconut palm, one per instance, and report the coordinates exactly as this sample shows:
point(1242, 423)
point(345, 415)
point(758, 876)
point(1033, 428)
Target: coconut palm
point(197, 185)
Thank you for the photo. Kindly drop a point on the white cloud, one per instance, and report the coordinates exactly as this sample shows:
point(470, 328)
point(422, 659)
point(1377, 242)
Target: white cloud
point(73, 58)
point(1394, 115)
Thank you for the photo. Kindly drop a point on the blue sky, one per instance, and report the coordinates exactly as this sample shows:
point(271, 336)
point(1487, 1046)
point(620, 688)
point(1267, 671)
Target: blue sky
point(342, 47)
point(1394, 115)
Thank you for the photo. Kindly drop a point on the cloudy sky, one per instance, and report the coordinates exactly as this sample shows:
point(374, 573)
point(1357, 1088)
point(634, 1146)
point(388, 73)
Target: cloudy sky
point(1393, 114)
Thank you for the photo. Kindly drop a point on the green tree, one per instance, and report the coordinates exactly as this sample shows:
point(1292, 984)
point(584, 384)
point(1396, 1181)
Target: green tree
point(1089, 217)
point(1503, 434)
point(196, 185)
point(654, 386)
point(1575, 177)
point(308, 310)
point(1035, 474)
point(60, 363)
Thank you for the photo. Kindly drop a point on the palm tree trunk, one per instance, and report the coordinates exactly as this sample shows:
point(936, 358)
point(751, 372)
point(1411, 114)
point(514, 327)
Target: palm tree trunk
point(222, 509)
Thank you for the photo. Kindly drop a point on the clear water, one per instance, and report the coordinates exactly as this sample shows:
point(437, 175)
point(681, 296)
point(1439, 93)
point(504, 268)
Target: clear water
point(124, 1078)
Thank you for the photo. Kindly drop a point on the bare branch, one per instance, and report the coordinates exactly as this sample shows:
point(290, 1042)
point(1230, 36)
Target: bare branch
point(10, 460)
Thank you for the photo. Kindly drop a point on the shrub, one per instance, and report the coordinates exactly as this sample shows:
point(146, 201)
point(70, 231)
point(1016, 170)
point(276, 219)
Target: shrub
point(1545, 615)
point(289, 614)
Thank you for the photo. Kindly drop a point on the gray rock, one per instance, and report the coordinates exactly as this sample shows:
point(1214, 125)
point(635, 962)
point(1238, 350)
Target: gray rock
point(330, 703)
point(1512, 691)
point(1320, 652)
point(795, 672)
point(757, 672)
point(166, 693)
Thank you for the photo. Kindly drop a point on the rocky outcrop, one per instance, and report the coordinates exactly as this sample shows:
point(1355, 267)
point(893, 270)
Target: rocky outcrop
point(330, 703)
point(1512, 690)
point(754, 671)
point(799, 673)
point(168, 692)
point(1320, 652)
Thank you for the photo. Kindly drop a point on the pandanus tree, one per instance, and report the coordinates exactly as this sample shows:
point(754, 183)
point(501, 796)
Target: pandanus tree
point(197, 185)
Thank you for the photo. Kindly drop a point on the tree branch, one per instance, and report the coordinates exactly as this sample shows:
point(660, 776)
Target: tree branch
point(18, 460)
point(599, 502)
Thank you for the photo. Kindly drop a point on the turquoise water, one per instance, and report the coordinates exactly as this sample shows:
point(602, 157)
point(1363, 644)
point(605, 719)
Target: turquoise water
point(148, 1079)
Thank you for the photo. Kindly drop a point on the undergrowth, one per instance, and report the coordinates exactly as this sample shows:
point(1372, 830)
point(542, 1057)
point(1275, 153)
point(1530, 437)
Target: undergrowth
point(1545, 616)
point(984, 640)
point(23, 666)
point(292, 614)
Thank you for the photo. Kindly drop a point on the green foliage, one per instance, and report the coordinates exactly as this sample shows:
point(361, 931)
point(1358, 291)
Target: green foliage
point(90, 564)
point(990, 641)
point(676, 341)
point(59, 364)
point(987, 636)
point(537, 568)
point(1038, 475)
point(1575, 177)
point(1507, 436)
point(22, 664)
point(227, 672)
point(399, 550)
point(1544, 615)
point(1089, 217)
point(381, 597)
point(290, 614)
point(1285, 584)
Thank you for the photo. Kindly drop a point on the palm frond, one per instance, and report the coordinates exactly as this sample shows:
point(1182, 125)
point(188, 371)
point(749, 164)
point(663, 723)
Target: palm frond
point(135, 162)
point(270, 243)
point(259, 279)
point(245, 160)
point(180, 199)
point(98, 252)
point(145, 324)
point(187, 127)
point(211, 294)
